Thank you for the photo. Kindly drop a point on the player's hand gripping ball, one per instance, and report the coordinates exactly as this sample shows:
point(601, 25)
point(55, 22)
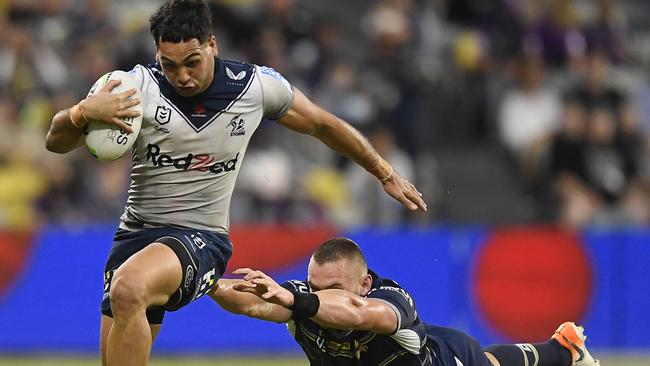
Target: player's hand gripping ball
point(107, 141)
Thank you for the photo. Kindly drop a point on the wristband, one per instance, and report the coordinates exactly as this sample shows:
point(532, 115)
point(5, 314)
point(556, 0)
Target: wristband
point(305, 304)
point(382, 170)
point(389, 175)
point(76, 115)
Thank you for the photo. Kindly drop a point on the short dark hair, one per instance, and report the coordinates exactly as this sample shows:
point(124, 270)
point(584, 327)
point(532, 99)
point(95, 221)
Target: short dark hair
point(181, 21)
point(336, 249)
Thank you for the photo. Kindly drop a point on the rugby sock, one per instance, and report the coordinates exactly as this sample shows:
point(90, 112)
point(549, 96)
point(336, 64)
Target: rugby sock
point(550, 353)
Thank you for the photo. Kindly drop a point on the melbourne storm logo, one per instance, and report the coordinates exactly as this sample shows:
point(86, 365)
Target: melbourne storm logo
point(200, 162)
point(237, 125)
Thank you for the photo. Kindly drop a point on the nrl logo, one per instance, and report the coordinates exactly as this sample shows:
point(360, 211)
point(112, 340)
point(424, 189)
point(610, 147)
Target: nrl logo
point(163, 115)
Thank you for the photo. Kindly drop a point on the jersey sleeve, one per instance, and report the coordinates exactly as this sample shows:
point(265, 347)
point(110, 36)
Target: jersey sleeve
point(277, 93)
point(138, 72)
point(400, 301)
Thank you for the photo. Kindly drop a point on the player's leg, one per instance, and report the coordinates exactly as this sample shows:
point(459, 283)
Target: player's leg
point(548, 353)
point(105, 327)
point(147, 278)
point(566, 347)
point(455, 347)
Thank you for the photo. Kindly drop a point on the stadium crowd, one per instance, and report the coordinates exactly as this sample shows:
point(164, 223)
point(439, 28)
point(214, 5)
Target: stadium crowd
point(553, 92)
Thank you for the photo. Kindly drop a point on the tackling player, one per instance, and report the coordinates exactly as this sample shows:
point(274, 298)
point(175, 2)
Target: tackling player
point(344, 314)
point(200, 112)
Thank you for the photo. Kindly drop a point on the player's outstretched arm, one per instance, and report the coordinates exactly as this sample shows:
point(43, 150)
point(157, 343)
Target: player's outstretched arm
point(246, 303)
point(66, 130)
point(344, 310)
point(334, 308)
point(308, 118)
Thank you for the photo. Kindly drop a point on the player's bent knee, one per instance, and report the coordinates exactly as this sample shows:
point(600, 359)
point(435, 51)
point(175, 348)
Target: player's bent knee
point(127, 295)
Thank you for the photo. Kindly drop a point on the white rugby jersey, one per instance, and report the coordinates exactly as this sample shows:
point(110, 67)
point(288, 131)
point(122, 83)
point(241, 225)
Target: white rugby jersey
point(189, 150)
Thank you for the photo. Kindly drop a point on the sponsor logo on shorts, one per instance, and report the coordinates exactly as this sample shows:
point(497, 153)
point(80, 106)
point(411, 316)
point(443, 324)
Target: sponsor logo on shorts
point(108, 276)
point(189, 277)
point(198, 241)
point(206, 283)
point(200, 162)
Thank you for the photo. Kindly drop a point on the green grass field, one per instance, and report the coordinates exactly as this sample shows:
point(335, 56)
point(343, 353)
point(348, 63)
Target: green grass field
point(607, 360)
point(57, 361)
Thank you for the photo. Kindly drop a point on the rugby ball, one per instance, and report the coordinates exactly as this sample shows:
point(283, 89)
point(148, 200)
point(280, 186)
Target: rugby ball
point(108, 142)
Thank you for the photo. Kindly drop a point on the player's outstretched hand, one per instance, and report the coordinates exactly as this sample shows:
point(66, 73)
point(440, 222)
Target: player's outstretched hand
point(404, 191)
point(111, 108)
point(258, 283)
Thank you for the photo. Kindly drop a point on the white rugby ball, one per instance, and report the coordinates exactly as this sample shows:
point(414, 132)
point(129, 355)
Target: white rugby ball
point(106, 141)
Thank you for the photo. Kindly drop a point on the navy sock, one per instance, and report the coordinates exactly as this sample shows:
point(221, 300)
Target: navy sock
point(550, 353)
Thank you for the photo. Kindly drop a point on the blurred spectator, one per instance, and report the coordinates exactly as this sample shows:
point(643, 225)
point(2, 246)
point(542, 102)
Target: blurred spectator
point(342, 96)
point(267, 179)
point(20, 183)
point(595, 89)
point(630, 139)
point(567, 167)
point(528, 115)
point(607, 30)
point(611, 172)
point(469, 110)
point(596, 177)
point(391, 26)
point(553, 31)
point(432, 72)
point(367, 204)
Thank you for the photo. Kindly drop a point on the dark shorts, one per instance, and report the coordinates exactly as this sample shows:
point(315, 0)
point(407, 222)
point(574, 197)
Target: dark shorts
point(448, 343)
point(203, 256)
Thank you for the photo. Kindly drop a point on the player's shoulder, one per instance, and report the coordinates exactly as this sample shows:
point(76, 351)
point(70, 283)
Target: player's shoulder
point(379, 282)
point(386, 287)
point(235, 75)
point(232, 78)
point(272, 74)
point(152, 71)
point(235, 69)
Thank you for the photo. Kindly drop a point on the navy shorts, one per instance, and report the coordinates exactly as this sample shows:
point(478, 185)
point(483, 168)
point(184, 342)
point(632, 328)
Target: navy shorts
point(203, 256)
point(449, 344)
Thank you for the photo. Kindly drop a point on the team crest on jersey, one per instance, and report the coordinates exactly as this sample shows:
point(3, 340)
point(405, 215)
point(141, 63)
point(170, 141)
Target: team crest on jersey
point(240, 76)
point(163, 115)
point(237, 125)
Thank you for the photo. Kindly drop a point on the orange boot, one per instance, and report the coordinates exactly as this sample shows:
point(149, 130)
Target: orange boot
point(572, 337)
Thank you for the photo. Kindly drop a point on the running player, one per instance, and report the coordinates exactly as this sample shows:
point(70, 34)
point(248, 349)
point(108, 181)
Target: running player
point(199, 114)
point(344, 314)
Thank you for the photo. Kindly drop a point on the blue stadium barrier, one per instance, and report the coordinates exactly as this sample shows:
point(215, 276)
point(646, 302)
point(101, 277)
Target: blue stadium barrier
point(54, 305)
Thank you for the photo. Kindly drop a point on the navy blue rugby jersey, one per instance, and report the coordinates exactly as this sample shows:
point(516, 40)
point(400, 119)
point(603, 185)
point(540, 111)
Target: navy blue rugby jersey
point(407, 346)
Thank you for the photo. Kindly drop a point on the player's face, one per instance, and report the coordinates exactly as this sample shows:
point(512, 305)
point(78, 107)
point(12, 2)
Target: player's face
point(342, 274)
point(188, 66)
